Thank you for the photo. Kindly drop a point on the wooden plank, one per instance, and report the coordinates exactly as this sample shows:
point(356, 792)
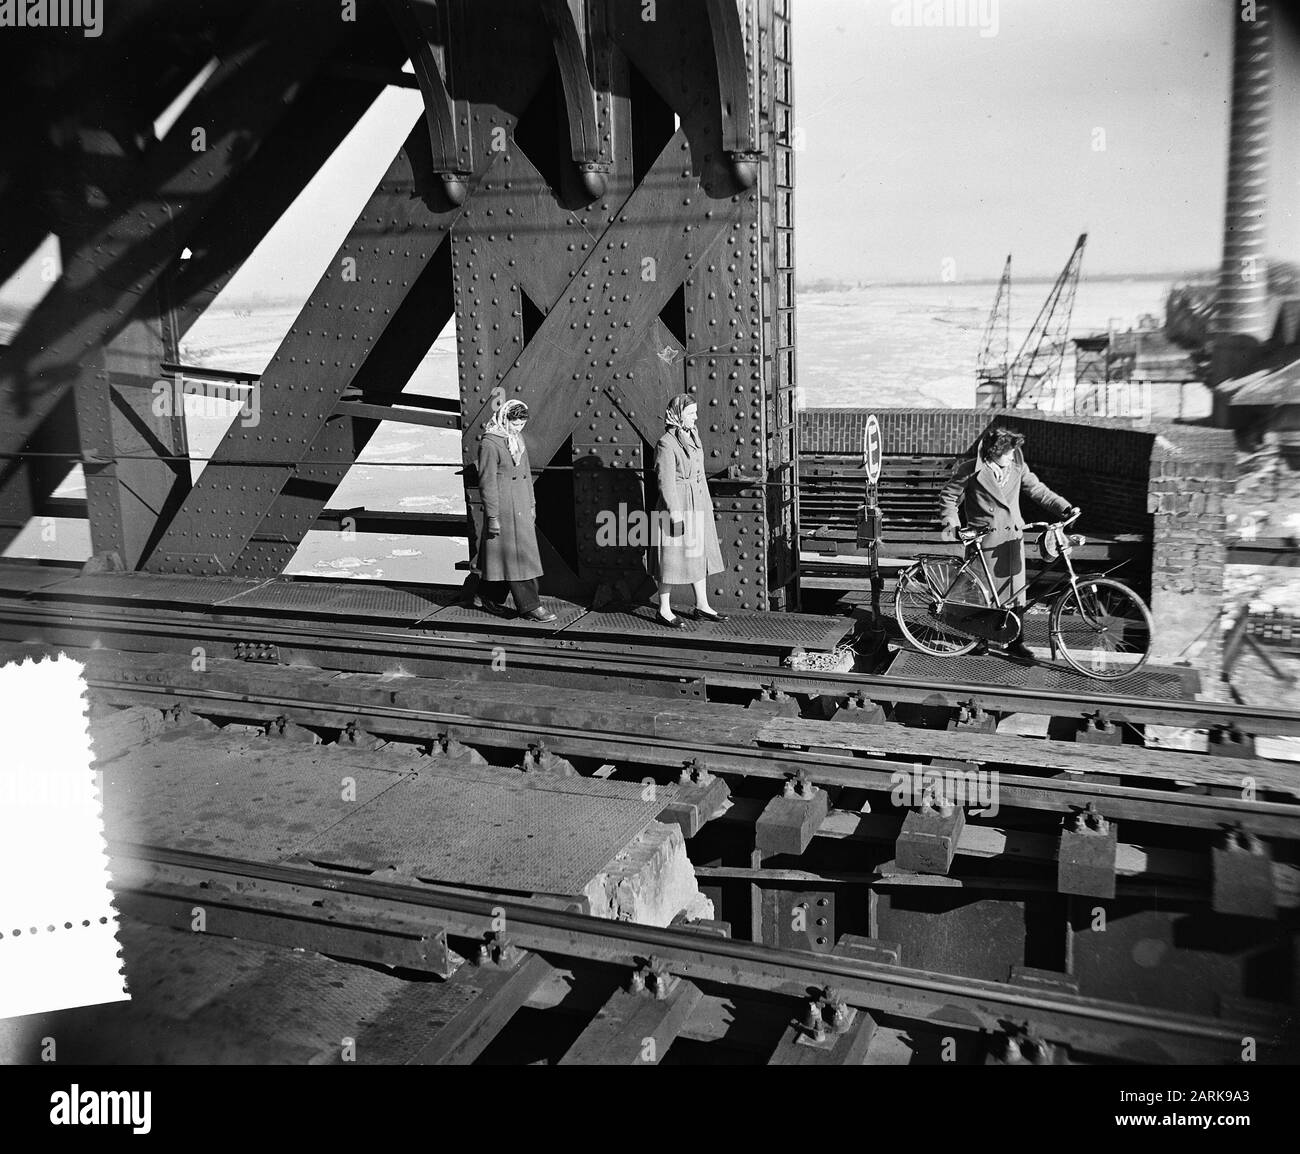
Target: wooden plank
point(501, 992)
point(1060, 756)
point(634, 1029)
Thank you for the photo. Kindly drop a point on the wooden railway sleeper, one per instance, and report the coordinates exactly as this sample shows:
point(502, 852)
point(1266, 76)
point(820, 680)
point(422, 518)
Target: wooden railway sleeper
point(1241, 876)
point(1087, 854)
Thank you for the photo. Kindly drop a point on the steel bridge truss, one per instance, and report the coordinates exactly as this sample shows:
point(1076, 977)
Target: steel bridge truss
point(598, 191)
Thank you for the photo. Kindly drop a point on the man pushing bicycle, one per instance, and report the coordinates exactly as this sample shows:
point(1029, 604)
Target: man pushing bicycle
point(988, 488)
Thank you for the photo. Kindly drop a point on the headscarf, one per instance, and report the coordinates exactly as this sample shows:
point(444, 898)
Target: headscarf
point(499, 423)
point(673, 419)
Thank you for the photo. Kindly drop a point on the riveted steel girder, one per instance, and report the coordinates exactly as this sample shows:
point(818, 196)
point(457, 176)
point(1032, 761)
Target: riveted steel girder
point(102, 281)
point(376, 310)
point(342, 324)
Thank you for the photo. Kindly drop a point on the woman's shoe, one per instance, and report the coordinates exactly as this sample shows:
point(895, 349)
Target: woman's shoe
point(670, 622)
point(709, 615)
point(541, 613)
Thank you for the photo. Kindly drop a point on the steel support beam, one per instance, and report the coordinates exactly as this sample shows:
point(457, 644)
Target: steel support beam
point(247, 517)
point(155, 213)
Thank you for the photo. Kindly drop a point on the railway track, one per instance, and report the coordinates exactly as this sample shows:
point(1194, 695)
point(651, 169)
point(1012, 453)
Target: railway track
point(591, 665)
point(1065, 997)
point(513, 946)
point(1160, 803)
point(1161, 865)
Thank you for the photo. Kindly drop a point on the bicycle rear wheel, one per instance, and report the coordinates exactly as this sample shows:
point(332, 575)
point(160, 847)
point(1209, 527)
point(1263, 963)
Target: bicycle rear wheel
point(923, 588)
point(1102, 628)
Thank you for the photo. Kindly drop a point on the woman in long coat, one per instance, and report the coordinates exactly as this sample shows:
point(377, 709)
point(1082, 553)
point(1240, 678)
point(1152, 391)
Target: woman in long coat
point(988, 487)
point(688, 542)
point(508, 555)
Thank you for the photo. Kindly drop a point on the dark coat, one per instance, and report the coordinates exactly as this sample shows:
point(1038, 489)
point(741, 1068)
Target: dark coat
point(684, 491)
point(507, 490)
point(986, 503)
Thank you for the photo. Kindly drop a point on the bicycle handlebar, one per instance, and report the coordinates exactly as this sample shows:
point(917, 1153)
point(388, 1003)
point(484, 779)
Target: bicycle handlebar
point(1040, 525)
point(967, 534)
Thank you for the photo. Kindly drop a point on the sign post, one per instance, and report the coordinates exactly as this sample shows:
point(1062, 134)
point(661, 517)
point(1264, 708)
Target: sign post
point(870, 519)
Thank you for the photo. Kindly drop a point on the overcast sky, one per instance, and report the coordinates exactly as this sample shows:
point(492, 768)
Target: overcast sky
point(927, 143)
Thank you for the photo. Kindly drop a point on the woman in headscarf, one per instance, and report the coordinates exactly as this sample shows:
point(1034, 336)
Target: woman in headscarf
point(987, 488)
point(508, 554)
point(688, 543)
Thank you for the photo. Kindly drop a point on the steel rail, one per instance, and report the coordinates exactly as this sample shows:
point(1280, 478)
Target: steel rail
point(565, 652)
point(1161, 807)
point(1092, 1026)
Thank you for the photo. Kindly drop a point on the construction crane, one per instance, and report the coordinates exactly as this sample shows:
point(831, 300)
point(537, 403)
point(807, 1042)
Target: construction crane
point(1034, 371)
point(995, 348)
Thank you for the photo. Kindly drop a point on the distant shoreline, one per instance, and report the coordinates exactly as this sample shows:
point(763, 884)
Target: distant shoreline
point(829, 286)
point(13, 309)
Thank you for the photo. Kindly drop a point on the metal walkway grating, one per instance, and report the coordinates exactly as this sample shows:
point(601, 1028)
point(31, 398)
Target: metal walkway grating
point(1150, 681)
point(772, 631)
point(187, 592)
point(261, 799)
point(339, 599)
point(458, 617)
point(1037, 632)
point(20, 579)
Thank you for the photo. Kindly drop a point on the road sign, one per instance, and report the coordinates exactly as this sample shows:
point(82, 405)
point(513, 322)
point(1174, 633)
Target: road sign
point(871, 449)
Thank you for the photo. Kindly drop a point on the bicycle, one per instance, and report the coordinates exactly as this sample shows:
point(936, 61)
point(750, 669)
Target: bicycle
point(1098, 625)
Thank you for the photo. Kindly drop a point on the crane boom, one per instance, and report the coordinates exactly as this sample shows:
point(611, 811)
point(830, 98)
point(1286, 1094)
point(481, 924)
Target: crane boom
point(995, 348)
point(1038, 363)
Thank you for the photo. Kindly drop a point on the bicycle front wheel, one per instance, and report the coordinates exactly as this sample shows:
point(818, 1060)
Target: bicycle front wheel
point(922, 592)
point(1102, 628)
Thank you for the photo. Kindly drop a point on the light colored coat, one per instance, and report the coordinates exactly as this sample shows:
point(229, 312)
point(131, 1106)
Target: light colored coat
point(984, 502)
point(684, 492)
point(507, 490)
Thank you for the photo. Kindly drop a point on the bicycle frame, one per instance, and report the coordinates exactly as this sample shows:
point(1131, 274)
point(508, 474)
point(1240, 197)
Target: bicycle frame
point(1064, 549)
point(987, 613)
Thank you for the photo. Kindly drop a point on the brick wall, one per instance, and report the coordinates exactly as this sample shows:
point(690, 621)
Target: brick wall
point(1192, 474)
point(1169, 483)
point(1096, 462)
point(925, 431)
point(907, 431)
